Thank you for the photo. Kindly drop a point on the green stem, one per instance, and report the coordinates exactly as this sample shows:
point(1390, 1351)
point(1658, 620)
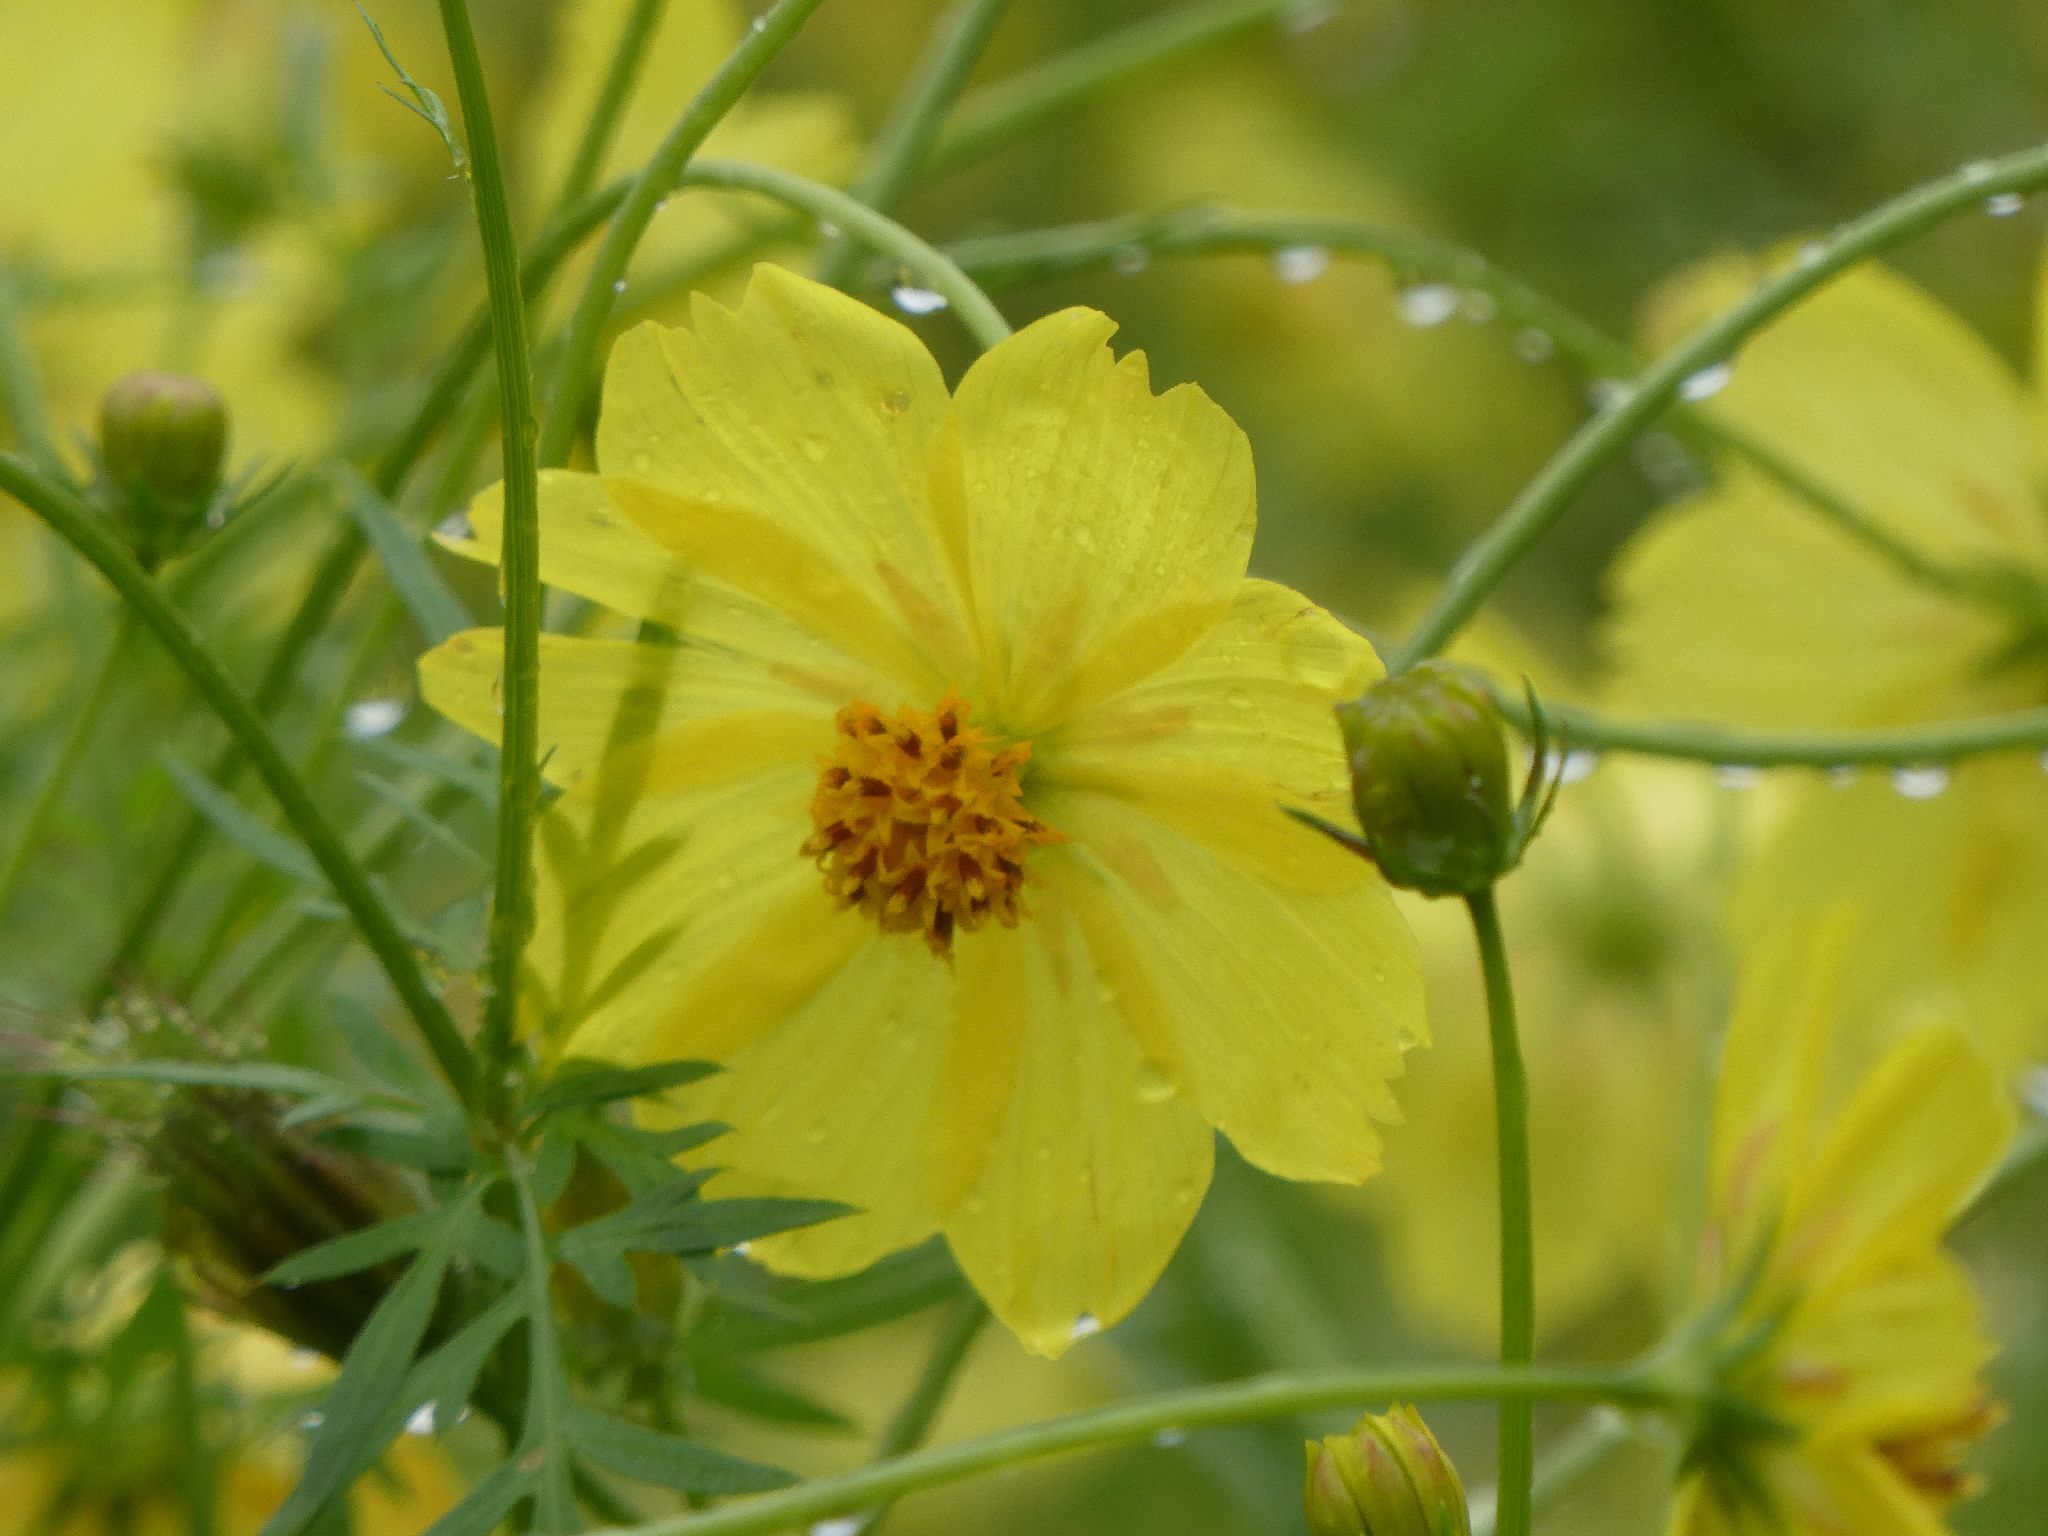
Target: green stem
point(2024, 730)
point(927, 263)
point(1040, 255)
point(587, 325)
point(1491, 556)
point(628, 56)
point(906, 138)
point(80, 528)
point(912, 1425)
point(1276, 1396)
point(519, 756)
point(22, 402)
point(998, 113)
point(1577, 1455)
point(56, 780)
point(1517, 1231)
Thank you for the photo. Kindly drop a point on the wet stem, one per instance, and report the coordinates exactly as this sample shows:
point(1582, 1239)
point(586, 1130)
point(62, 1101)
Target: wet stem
point(1517, 1238)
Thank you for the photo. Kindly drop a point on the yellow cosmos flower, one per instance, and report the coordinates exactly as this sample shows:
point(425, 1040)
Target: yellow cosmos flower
point(1746, 605)
point(1846, 1337)
point(993, 662)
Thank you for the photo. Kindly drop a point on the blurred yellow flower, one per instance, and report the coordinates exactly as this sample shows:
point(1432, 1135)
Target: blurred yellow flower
point(1844, 1343)
point(1035, 588)
point(1746, 605)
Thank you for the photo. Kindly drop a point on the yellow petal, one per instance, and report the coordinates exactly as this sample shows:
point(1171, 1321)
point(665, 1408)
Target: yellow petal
point(1881, 394)
point(1745, 605)
point(1105, 528)
point(1094, 1173)
point(1951, 892)
point(587, 546)
point(829, 1102)
point(786, 447)
point(1919, 1136)
point(1280, 1014)
point(1217, 743)
point(1851, 1487)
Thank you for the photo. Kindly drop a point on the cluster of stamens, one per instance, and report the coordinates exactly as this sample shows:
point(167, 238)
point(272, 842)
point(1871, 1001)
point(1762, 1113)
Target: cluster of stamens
point(921, 821)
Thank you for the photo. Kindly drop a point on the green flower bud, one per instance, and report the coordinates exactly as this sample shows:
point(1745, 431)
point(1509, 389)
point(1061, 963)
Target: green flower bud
point(1430, 782)
point(1388, 1477)
point(163, 438)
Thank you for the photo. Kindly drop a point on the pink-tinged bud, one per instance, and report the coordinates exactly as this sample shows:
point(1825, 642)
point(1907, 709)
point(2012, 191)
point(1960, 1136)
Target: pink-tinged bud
point(1388, 1477)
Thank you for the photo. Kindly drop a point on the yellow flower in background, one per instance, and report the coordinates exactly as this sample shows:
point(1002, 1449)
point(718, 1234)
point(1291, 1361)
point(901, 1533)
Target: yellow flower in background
point(1845, 1343)
point(1743, 604)
point(1035, 590)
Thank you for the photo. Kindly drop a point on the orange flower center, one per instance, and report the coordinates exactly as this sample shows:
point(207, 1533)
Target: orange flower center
point(921, 821)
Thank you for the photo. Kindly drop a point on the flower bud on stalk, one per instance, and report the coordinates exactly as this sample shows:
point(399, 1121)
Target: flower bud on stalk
point(1388, 1477)
point(1430, 782)
point(163, 439)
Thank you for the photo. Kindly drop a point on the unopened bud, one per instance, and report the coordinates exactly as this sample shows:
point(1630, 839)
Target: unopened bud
point(1430, 782)
point(1388, 1477)
point(163, 438)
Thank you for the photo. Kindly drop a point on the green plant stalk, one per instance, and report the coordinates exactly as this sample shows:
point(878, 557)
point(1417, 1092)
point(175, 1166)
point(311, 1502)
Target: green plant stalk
point(998, 113)
point(57, 777)
point(76, 524)
point(599, 131)
point(1577, 1455)
point(587, 325)
point(912, 1424)
point(906, 138)
point(2024, 730)
point(931, 266)
point(519, 754)
point(1039, 255)
point(1546, 497)
point(1277, 1396)
point(1517, 1225)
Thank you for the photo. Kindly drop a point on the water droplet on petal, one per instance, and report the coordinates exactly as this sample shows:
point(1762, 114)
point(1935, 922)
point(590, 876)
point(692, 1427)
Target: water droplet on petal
point(1578, 765)
point(1920, 781)
point(1428, 305)
point(1707, 383)
point(422, 1420)
point(1533, 345)
point(312, 1418)
point(2004, 205)
point(661, 206)
point(1086, 1326)
point(1738, 775)
point(619, 286)
point(455, 526)
point(1300, 263)
point(742, 1249)
point(367, 718)
point(913, 300)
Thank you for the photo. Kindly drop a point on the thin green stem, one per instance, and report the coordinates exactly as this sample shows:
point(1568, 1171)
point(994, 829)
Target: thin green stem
point(1911, 746)
point(906, 138)
point(1576, 1456)
point(1039, 255)
point(77, 525)
point(928, 264)
point(519, 755)
point(587, 325)
point(56, 780)
point(629, 54)
point(998, 113)
point(1517, 1228)
point(1275, 1396)
point(912, 1425)
point(22, 402)
point(1544, 500)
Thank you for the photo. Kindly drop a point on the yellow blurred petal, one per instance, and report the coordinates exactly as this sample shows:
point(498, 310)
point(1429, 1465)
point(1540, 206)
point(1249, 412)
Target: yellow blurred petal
point(1851, 1488)
point(786, 447)
point(1951, 893)
point(1745, 605)
point(1105, 527)
point(1919, 1136)
point(1883, 395)
point(1280, 1014)
point(1094, 1174)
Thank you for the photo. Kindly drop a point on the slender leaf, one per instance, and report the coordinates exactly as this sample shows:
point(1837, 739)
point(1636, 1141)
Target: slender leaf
point(732, 1385)
point(485, 1507)
point(447, 1377)
point(261, 842)
point(709, 1225)
point(582, 1084)
point(647, 1456)
point(260, 1076)
point(552, 1165)
point(382, 1055)
point(417, 816)
point(434, 607)
point(607, 1273)
point(356, 1251)
point(466, 777)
